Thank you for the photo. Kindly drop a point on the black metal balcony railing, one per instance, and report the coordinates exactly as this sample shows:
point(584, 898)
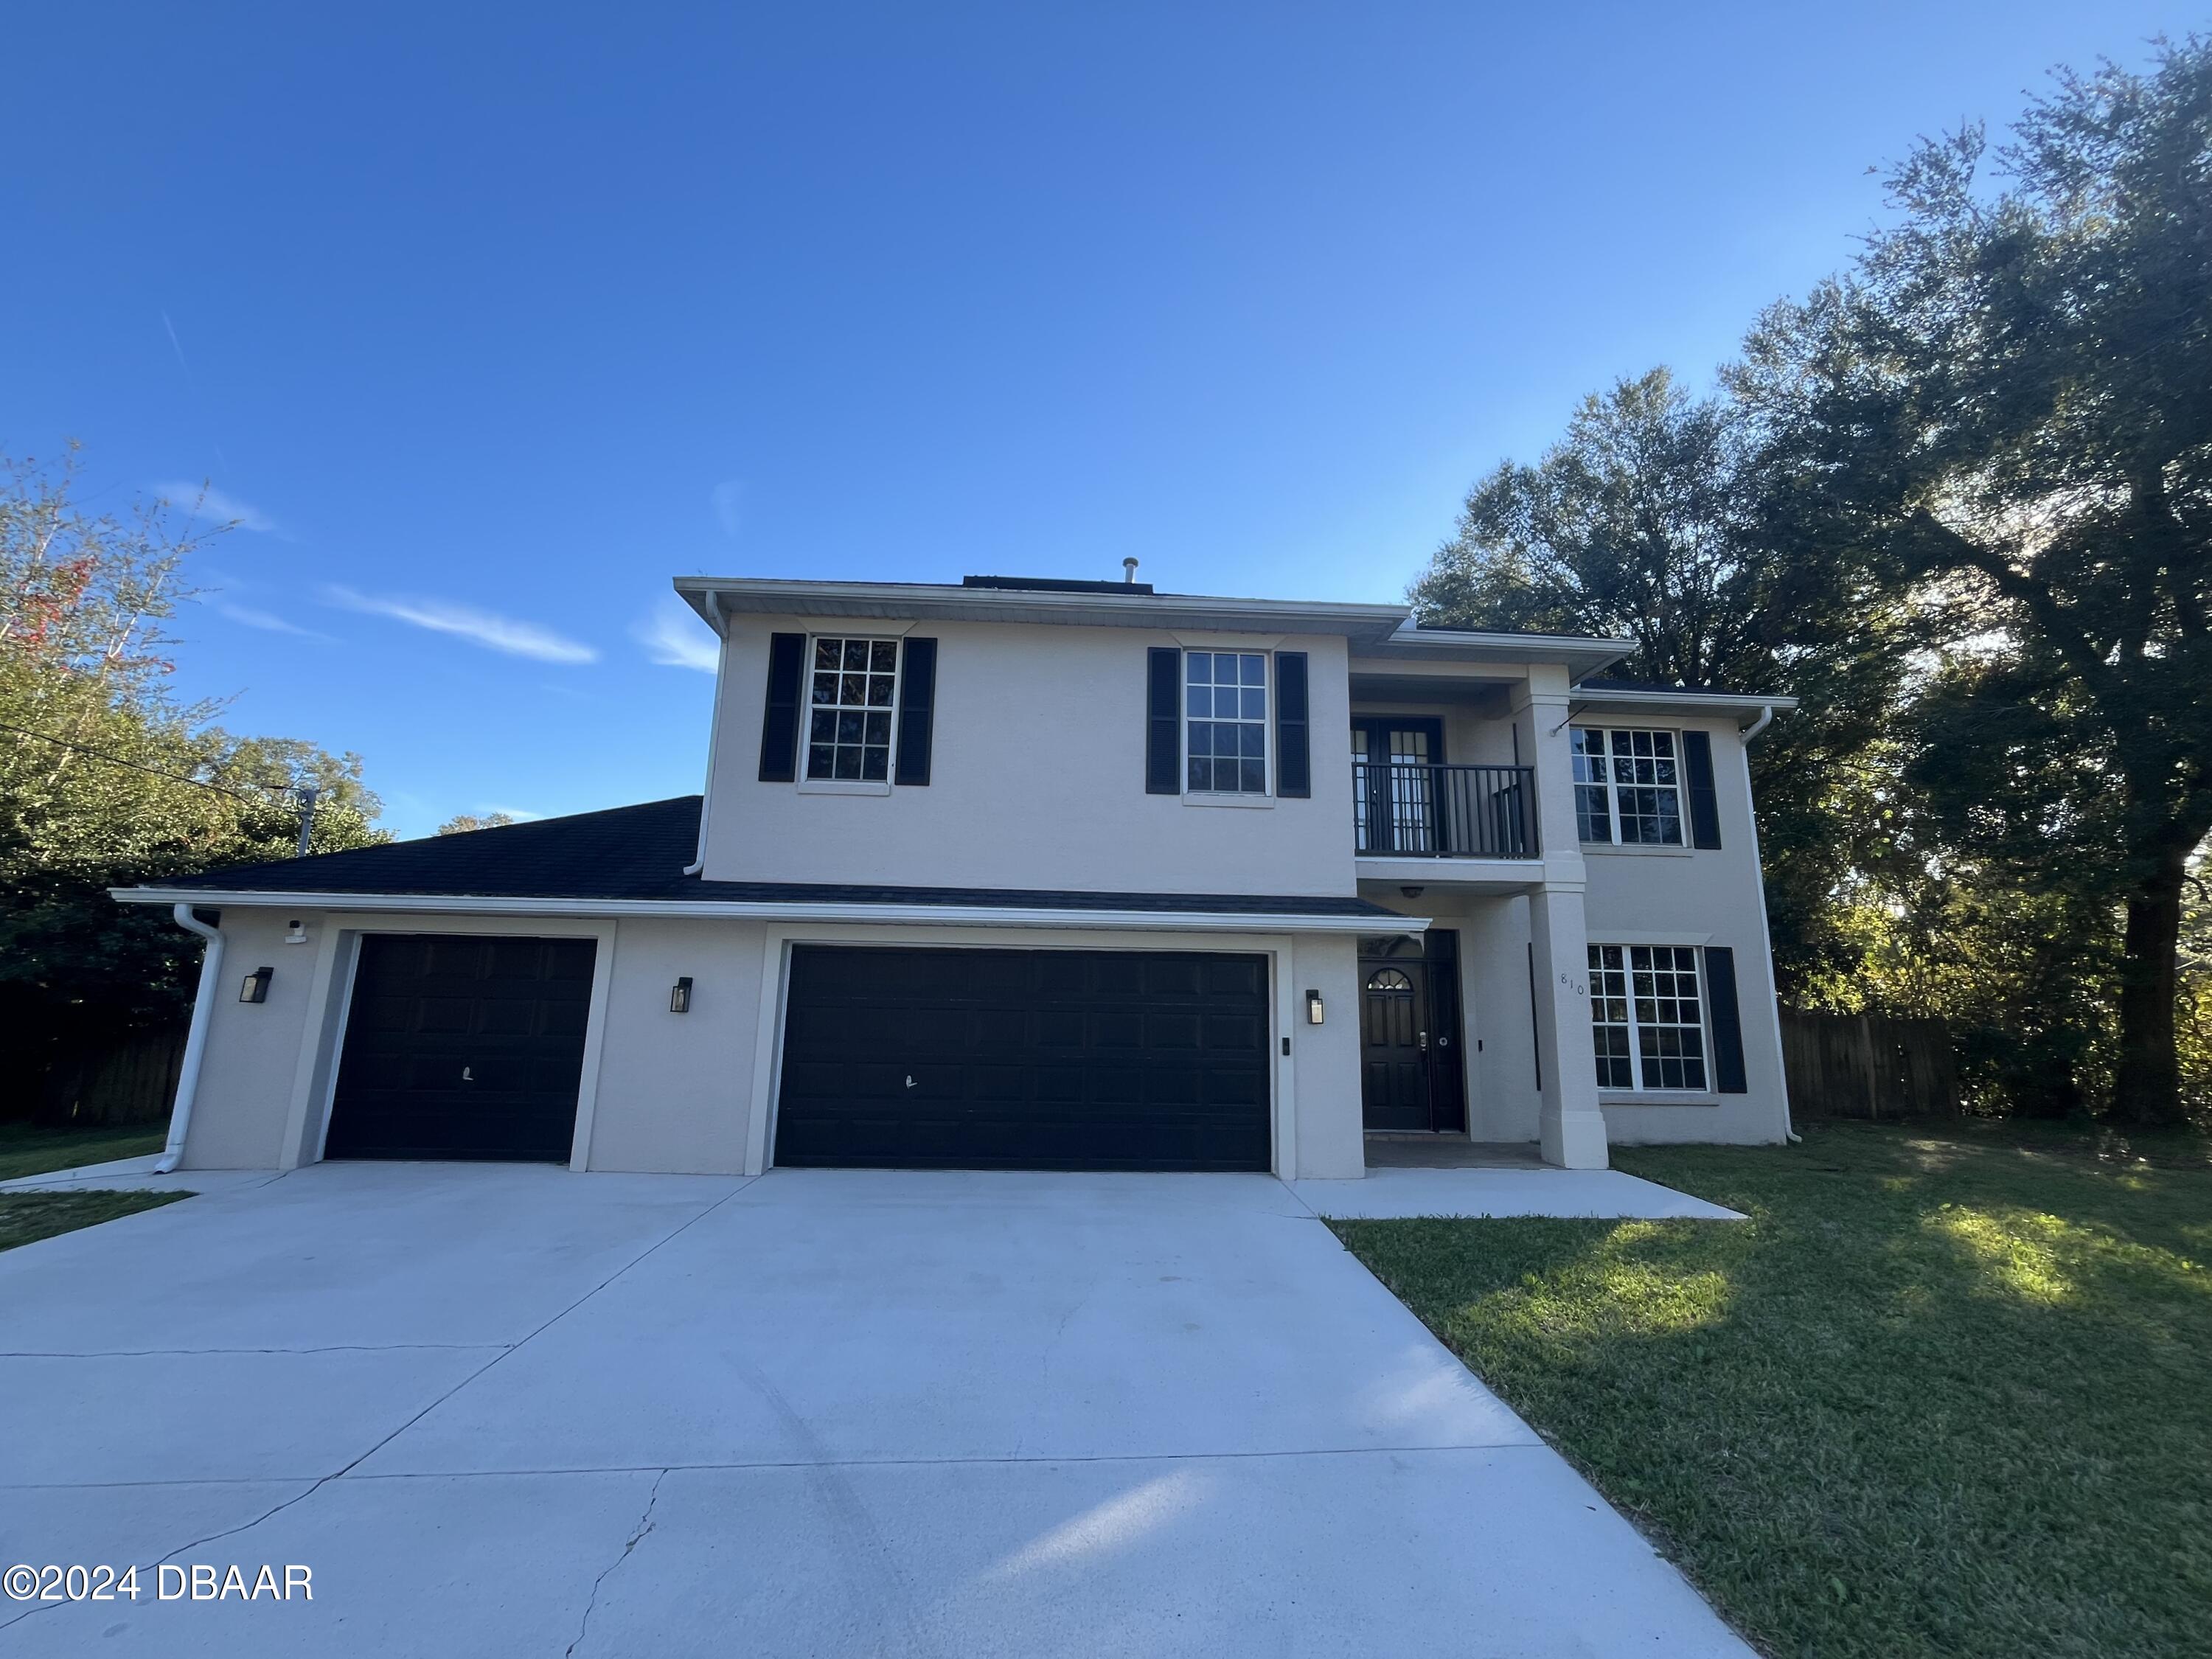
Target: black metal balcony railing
point(1406, 809)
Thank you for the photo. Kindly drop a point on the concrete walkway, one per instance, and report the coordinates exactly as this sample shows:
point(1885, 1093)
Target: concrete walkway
point(512, 1411)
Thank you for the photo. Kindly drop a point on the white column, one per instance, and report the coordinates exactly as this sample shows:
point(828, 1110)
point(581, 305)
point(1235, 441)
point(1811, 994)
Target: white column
point(1571, 1125)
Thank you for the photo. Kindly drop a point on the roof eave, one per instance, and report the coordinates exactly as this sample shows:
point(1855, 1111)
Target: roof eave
point(1747, 707)
point(925, 601)
point(938, 915)
point(1582, 654)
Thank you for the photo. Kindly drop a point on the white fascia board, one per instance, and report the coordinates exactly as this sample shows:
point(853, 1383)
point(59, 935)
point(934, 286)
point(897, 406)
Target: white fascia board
point(944, 602)
point(1745, 706)
point(941, 916)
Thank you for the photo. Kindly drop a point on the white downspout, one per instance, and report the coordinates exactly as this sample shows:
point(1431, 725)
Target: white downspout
point(188, 1075)
point(1757, 864)
point(714, 726)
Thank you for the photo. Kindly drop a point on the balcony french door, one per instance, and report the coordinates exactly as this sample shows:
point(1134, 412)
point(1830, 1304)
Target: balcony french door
point(1396, 809)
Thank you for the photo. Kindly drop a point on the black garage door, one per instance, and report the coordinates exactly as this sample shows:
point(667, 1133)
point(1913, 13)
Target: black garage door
point(1024, 1060)
point(463, 1046)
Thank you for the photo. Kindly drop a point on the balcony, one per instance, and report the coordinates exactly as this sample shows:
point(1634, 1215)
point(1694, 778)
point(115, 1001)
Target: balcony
point(1408, 809)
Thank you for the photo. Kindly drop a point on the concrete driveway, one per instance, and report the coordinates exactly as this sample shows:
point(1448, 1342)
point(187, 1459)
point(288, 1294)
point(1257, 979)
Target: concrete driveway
point(516, 1411)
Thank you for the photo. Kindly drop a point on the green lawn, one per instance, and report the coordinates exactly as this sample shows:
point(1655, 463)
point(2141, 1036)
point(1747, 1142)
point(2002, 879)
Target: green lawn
point(24, 1151)
point(26, 1218)
point(1947, 1391)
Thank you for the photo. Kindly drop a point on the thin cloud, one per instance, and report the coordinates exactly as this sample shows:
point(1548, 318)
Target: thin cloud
point(268, 621)
point(519, 814)
point(672, 637)
point(727, 497)
point(495, 633)
point(205, 502)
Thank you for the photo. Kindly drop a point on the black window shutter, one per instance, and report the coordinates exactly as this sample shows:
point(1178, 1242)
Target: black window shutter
point(917, 702)
point(1728, 1021)
point(1704, 804)
point(1163, 721)
point(786, 667)
point(1293, 746)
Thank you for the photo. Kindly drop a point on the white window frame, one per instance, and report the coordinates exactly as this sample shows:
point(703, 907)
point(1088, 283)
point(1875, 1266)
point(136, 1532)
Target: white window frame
point(1266, 723)
point(1613, 786)
point(807, 707)
point(1639, 1083)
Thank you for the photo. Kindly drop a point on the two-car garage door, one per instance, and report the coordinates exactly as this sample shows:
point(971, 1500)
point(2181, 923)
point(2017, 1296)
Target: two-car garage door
point(1024, 1060)
point(471, 1047)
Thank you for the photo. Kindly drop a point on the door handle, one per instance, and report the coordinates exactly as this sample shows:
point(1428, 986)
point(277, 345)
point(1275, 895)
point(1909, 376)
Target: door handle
point(467, 1076)
point(1424, 1043)
point(909, 1082)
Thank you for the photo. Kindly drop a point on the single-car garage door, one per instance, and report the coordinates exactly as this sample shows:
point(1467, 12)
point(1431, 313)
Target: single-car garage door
point(462, 1047)
point(1024, 1060)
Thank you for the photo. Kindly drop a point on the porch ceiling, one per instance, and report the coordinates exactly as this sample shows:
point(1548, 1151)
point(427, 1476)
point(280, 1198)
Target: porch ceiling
point(1454, 690)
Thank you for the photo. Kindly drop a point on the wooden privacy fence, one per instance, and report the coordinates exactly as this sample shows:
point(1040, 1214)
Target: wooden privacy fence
point(1868, 1065)
point(129, 1079)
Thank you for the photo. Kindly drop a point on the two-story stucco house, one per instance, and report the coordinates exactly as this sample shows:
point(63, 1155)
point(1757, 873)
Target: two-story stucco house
point(1041, 874)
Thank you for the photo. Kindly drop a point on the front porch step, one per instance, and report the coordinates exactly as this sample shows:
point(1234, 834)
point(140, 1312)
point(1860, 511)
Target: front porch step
point(1434, 1151)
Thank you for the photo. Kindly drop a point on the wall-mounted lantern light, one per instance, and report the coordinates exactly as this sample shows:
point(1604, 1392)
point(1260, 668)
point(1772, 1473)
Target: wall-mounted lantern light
point(1313, 1007)
point(679, 996)
point(256, 986)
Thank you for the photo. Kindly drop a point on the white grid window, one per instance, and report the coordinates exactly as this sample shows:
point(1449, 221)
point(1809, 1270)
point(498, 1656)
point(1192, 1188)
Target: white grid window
point(1647, 1020)
point(1628, 786)
point(1226, 706)
point(848, 718)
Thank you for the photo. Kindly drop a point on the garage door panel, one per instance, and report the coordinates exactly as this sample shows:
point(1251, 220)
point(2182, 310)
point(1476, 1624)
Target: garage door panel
point(1024, 1059)
point(463, 1046)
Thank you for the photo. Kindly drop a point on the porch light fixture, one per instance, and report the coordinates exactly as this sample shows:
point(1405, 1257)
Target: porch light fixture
point(1413, 892)
point(679, 996)
point(1313, 1007)
point(255, 989)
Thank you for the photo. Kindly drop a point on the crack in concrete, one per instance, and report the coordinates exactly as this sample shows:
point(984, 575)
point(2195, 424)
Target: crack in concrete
point(644, 1526)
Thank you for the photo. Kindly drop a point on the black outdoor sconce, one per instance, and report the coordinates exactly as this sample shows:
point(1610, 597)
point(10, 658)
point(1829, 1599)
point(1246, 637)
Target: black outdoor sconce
point(1313, 1007)
point(256, 987)
point(679, 996)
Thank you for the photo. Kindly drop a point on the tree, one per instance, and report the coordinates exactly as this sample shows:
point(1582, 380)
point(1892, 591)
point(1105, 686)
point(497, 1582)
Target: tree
point(108, 779)
point(461, 822)
point(2003, 415)
point(1648, 520)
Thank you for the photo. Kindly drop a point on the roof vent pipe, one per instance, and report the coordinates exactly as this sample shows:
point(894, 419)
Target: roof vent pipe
point(1128, 570)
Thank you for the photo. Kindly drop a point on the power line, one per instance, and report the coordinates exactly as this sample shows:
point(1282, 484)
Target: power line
point(136, 766)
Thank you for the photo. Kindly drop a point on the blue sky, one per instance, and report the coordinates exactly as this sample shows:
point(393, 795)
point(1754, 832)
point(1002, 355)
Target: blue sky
point(490, 320)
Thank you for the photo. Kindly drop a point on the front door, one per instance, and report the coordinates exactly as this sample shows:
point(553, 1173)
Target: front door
point(1412, 1077)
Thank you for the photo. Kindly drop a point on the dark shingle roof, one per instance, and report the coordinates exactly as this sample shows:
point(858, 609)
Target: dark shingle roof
point(635, 853)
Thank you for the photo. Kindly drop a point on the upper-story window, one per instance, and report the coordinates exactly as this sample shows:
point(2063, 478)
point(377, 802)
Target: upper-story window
point(1628, 786)
point(848, 720)
point(1225, 710)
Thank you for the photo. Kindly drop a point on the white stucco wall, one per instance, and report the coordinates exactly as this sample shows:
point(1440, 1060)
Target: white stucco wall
point(1646, 896)
point(1331, 1136)
point(252, 1047)
point(675, 1090)
point(1037, 777)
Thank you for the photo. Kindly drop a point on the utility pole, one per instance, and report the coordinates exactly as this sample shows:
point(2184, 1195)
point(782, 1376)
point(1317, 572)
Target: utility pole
point(309, 794)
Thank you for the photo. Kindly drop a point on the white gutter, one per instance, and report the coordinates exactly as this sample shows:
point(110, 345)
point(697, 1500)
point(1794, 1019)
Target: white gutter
point(714, 726)
point(1766, 934)
point(188, 1075)
point(939, 915)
